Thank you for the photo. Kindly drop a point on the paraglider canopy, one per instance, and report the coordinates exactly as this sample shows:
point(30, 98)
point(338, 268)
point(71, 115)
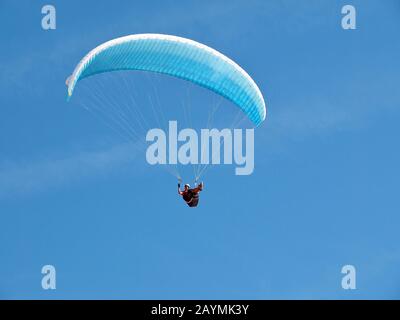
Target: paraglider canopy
point(179, 57)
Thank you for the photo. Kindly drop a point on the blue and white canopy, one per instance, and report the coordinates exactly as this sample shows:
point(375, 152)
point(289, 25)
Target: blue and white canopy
point(178, 57)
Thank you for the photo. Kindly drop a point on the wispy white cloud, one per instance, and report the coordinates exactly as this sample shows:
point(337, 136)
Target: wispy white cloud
point(40, 175)
point(353, 104)
point(317, 117)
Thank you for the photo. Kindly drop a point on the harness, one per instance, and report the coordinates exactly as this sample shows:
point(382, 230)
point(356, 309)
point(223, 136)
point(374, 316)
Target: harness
point(191, 198)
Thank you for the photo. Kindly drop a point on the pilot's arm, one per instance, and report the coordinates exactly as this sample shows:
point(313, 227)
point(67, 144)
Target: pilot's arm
point(179, 189)
point(199, 187)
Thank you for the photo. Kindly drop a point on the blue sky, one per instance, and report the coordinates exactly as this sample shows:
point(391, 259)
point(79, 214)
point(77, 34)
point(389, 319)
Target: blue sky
point(324, 192)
